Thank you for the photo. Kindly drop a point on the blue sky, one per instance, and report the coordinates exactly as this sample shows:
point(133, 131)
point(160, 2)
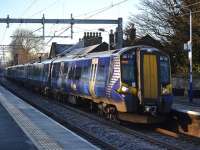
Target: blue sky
point(63, 9)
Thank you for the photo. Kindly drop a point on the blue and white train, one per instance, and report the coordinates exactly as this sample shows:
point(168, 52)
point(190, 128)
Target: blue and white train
point(131, 84)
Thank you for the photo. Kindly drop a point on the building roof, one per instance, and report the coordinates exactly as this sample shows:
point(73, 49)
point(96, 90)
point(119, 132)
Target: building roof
point(78, 45)
point(57, 49)
point(78, 52)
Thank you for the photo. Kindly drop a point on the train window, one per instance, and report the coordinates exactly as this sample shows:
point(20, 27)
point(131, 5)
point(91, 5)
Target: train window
point(56, 70)
point(164, 70)
point(34, 71)
point(65, 68)
point(85, 73)
point(128, 67)
point(46, 70)
point(71, 73)
point(37, 71)
point(77, 73)
point(40, 70)
point(101, 76)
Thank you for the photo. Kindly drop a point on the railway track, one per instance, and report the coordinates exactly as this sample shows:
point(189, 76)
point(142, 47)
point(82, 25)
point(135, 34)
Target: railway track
point(90, 134)
point(157, 136)
point(125, 129)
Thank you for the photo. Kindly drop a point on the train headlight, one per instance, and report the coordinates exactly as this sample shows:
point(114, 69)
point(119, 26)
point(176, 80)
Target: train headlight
point(167, 89)
point(124, 89)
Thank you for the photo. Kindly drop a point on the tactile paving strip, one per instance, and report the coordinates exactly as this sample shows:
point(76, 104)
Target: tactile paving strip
point(39, 137)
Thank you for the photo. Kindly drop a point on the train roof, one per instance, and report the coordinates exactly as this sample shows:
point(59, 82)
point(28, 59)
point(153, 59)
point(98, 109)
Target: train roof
point(86, 53)
point(86, 56)
point(140, 47)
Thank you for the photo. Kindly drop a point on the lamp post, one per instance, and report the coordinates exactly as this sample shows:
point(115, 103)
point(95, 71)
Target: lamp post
point(189, 54)
point(190, 58)
point(103, 30)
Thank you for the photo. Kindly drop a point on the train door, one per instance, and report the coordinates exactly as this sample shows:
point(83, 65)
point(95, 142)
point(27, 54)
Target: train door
point(93, 74)
point(149, 77)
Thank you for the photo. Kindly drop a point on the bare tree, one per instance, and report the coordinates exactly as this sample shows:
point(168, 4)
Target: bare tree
point(26, 41)
point(157, 18)
point(168, 23)
point(130, 34)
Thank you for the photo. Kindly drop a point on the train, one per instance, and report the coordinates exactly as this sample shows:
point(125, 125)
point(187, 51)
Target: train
point(130, 84)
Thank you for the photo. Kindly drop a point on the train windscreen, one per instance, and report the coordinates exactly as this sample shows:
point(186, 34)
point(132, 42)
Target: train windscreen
point(128, 68)
point(164, 70)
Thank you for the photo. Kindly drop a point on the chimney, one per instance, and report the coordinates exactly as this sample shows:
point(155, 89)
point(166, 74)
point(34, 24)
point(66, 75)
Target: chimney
point(90, 34)
point(93, 34)
point(87, 34)
point(96, 34)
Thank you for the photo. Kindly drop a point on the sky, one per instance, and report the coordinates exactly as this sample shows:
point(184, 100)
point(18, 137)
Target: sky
point(62, 9)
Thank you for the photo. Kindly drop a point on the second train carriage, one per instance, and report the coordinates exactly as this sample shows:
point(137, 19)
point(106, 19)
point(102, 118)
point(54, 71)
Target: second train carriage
point(127, 81)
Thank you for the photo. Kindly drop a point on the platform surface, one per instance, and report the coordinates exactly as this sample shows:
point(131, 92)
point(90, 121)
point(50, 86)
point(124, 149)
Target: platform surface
point(182, 104)
point(11, 135)
point(40, 130)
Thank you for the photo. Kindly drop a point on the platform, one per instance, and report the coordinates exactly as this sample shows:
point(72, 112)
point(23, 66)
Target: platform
point(186, 116)
point(183, 105)
point(41, 132)
point(11, 135)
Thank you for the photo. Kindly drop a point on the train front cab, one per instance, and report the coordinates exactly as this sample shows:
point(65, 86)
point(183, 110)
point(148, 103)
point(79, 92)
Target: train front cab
point(155, 82)
point(146, 84)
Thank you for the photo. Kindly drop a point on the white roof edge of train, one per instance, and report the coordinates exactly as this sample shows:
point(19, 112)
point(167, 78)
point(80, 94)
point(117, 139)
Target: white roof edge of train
point(97, 54)
point(142, 47)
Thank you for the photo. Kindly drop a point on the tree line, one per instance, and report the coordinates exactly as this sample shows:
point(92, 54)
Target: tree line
point(168, 22)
